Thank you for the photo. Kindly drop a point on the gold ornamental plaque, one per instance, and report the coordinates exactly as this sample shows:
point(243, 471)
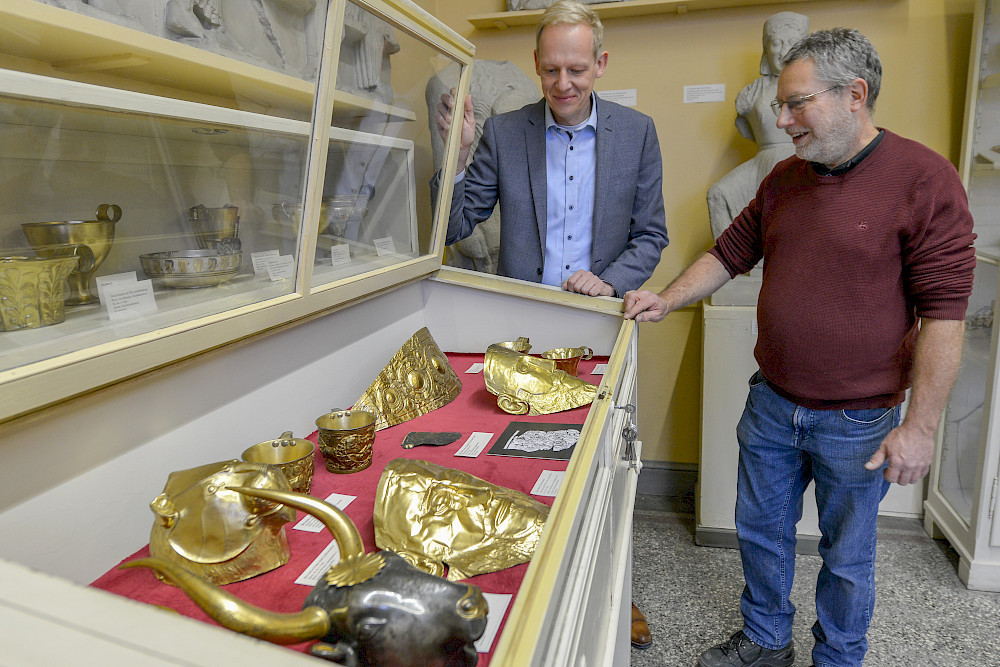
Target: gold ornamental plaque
point(526, 385)
point(440, 519)
point(417, 380)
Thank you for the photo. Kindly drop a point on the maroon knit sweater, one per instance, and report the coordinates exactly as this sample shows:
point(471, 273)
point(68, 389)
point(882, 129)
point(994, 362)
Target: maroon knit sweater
point(850, 262)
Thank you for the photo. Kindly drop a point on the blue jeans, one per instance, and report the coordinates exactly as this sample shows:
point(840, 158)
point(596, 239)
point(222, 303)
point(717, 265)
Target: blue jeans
point(782, 447)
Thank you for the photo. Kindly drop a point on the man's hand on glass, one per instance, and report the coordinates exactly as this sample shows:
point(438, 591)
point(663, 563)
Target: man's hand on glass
point(442, 119)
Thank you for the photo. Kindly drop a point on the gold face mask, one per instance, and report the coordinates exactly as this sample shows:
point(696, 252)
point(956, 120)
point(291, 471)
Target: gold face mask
point(532, 386)
point(437, 518)
point(217, 533)
point(417, 380)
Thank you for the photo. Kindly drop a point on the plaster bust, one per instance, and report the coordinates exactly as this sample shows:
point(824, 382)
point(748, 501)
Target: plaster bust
point(756, 121)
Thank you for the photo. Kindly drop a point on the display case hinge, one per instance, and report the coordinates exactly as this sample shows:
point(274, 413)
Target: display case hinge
point(993, 498)
point(629, 434)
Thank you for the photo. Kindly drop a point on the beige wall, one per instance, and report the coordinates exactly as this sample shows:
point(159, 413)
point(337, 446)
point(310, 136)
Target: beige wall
point(924, 45)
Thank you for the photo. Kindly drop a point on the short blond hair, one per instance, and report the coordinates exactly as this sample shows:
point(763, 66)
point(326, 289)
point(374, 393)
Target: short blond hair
point(571, 12)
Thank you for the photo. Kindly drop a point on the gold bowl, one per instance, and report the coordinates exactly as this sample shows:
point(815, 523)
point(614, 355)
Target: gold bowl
point(191, 268)
point(568, 358)
point(212, 224)
point(90, 240)
point(345, 439)
point(33, 291)
point(294, 456)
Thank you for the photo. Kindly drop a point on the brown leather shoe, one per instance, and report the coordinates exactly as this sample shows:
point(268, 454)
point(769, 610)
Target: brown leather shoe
point(641, 637)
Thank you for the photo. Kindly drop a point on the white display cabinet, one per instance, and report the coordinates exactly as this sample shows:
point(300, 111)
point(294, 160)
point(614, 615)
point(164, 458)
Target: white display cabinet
point(180, 131)
point(100, 108)
point(962, 500)
point(961, 503)
point(75, 484)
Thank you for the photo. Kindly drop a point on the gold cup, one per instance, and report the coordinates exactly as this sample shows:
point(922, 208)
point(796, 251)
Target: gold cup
point(89, 240)
point(345, 439)
point(33, 291)
point(568, 358)
point(294, 456)
point(212, 224)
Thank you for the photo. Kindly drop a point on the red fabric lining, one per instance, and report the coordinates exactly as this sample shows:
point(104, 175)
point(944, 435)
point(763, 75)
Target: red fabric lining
point(475, 409)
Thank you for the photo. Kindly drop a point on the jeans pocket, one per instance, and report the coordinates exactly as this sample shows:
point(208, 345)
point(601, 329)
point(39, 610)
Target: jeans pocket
point(867, 416)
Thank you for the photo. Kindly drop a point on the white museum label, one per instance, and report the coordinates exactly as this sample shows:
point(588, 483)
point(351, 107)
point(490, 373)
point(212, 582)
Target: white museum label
point(548, 483)
point(126, 300)
point(385, 246)
point(476, 368)
point(599, 369)
point(260, 260)
point(498, 603)
point(475, 445)
point(280, 267)
point(311, 524)
point(628, 97)
point(104, 281)
point(709, 92)
point(324, 561)
point(340, 254)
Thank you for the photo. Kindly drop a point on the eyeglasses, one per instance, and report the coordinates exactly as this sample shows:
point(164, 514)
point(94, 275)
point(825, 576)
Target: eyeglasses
point(797, 104)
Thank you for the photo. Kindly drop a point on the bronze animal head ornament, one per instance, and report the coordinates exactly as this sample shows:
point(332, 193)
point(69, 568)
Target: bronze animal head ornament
point(373, 609)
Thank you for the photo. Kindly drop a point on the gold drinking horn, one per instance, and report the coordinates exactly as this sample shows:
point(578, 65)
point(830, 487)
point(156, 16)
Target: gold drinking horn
point(240, 616)
point(311, 623)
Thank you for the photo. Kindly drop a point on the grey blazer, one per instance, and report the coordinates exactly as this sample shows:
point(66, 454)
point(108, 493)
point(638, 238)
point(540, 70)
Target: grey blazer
point(509, 167)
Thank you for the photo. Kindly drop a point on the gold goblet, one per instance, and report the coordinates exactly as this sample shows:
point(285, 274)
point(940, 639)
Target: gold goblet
point(212, 224)
point(90, 240)
point(33, 291)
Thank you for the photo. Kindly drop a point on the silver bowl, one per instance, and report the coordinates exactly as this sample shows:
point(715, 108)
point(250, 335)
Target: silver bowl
point(191, 268)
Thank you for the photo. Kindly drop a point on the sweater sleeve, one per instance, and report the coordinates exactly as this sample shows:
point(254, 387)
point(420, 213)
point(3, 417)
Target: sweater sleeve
point(938, 255)
point(740, 246)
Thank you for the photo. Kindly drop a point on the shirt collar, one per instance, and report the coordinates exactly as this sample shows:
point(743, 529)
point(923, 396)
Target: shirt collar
point(591, 121)
point(845, 167)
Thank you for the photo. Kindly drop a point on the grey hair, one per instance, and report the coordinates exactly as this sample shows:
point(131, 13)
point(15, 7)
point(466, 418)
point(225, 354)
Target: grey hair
point(840, 55)
point(571, 12)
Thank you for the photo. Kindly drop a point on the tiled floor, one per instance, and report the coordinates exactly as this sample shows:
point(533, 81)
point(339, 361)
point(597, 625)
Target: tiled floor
point(924, 616)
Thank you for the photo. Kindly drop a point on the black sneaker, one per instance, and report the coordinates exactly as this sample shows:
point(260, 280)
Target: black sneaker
point(740, 650)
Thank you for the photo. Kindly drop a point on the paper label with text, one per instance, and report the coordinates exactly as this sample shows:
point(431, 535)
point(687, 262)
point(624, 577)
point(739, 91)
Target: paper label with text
point(475, 445)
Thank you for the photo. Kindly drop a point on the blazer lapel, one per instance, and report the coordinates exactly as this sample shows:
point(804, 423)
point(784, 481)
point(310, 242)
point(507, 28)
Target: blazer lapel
point(534, 139)
point(604, 169)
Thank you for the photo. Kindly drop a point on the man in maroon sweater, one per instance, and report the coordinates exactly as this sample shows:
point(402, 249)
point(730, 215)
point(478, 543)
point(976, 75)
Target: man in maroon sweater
point(867, 240)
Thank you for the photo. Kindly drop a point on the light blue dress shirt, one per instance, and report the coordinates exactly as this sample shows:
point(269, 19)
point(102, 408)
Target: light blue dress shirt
point(570, 163)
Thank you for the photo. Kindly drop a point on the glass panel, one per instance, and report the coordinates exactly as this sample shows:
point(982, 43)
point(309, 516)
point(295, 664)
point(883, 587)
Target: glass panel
point(181, 184)
point(961, 444)
point(190, 118)
point(376, 207)
point(984, 184)
point(260, 56)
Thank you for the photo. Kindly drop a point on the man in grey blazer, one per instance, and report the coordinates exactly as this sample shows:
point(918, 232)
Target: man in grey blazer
point(579, 181)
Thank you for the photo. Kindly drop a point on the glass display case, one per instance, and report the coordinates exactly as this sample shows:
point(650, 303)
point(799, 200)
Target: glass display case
point(219, 172)
point(242, 190)
point(962, 494)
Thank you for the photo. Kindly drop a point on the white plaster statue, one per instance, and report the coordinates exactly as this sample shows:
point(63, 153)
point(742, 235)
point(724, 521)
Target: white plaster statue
point(515, 5)
point(282, 35)
point(364, 55)
point(756, 121)
point(497, 86)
